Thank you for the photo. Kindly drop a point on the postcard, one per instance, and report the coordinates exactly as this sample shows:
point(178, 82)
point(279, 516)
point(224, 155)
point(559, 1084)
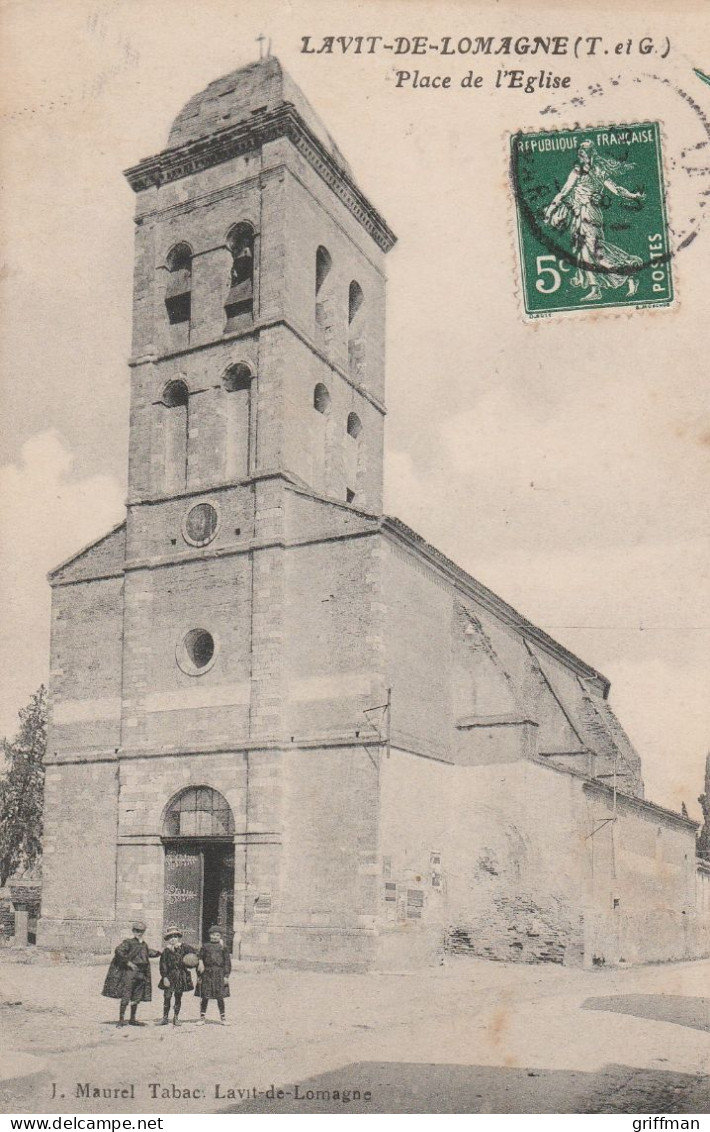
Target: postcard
point(355, 556)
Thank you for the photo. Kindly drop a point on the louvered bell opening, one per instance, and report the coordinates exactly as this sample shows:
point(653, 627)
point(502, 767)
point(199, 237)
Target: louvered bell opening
point(240, 298)
point(177, 295)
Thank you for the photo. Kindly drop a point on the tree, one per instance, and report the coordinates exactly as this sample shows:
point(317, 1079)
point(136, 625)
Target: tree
point(22, 789)
point(704, 799)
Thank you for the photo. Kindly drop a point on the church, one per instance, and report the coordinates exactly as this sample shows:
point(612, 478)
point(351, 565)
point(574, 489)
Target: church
point(274, 706)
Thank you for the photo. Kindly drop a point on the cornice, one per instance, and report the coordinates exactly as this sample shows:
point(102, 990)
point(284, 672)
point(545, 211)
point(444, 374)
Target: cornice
point(652, 808)
point(234, 141)
point(253, 331)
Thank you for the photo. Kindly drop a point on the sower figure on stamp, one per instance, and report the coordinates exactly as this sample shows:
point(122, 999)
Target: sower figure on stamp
point(213, 969)
point(175, 974)
point(578, 206)
point(128, 977)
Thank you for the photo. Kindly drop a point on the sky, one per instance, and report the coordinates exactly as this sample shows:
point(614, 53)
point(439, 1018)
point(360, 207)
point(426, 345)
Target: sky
point(564, 463)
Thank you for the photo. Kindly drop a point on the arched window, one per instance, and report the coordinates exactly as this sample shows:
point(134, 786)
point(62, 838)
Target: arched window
point(352, 457)
point(356, 336)
point(178, 292)
point(238, 378)
point(324, 305)
point(237, 421)
point(199, 812)
point(321, 398)
point(355, 300)
point(354, 425)
point(175, 395)
point(240, 300)
point(175, 428)
point(324, 263)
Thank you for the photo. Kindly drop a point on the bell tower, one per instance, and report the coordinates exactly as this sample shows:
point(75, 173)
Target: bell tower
point(259, 300)
point(204, 662)
point(257, 415)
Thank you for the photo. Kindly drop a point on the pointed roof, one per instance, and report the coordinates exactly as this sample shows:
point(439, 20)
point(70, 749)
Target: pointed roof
point(236, 97)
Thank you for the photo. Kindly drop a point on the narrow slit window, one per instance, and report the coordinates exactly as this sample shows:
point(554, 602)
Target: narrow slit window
point(355, 301)
point(356, 331)
point(324, 263)
point(176, 400)
point(323, 307)
point(235, 445)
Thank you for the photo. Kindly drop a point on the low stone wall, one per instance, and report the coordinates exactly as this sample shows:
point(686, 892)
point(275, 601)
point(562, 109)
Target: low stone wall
point(7, 919)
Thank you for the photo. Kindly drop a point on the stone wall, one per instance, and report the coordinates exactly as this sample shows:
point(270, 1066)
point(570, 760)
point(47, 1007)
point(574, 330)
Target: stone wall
point(320, 904)
point(164, 705)
point(643, 898)
point(79, 856)
point(529, 872)
point(85, 666)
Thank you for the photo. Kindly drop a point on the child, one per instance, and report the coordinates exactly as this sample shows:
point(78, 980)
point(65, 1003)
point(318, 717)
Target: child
point(213, 968)
point(176, 977)
point(128, 977)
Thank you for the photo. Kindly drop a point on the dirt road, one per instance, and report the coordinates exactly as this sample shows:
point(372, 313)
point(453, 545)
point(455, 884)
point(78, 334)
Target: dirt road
point(469, 1037)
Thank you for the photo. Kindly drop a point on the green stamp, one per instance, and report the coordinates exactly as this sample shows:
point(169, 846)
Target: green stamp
point(592, 223)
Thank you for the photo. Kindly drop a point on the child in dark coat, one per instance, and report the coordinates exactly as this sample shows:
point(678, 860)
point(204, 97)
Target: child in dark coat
point(128, 977)
point(175, 976)
point(214, 969)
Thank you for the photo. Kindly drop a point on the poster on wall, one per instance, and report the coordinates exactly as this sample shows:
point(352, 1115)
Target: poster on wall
point(355, 557)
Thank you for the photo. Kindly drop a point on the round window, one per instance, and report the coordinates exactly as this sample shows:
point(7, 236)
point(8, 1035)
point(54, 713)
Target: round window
point(200, 524)
point(196, 652)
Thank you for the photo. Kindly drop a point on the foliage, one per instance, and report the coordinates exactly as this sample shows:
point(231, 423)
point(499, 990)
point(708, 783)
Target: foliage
point(22, 789)
point(704, 799)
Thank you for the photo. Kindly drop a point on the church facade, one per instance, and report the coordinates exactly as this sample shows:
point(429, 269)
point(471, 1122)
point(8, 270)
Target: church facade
point(271, 704)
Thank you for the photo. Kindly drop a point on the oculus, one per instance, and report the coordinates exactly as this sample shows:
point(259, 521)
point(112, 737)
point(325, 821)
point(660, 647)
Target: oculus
point(196, 652)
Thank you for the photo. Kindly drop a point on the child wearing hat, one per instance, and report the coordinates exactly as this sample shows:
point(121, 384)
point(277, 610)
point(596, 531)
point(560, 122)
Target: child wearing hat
point(214, 969)
point(175, 975)
point(128, 977)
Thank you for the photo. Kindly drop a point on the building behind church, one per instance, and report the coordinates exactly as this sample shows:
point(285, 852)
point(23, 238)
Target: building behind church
point(275, 706)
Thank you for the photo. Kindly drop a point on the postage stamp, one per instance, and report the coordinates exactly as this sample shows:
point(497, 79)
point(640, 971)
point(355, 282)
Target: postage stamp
point(591, 218)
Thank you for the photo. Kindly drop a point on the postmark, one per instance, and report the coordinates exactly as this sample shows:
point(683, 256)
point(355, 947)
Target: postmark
point(592, 218)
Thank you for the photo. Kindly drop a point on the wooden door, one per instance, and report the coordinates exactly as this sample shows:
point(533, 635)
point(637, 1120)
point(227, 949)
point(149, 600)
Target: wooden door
point(184, 870)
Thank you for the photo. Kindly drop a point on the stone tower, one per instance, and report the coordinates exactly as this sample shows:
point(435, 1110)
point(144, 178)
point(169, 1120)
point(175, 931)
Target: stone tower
point(227, 268)
point(256, 428)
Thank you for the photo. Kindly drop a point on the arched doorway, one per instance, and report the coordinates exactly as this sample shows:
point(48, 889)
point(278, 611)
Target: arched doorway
point(198, 835)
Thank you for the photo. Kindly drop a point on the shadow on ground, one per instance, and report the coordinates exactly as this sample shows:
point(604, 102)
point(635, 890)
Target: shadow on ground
point(421, 1088)
point(680, 1009)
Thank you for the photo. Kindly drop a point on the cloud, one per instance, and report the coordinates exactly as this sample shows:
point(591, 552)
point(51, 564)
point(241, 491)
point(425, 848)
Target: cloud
point(46, 516)
point(582, 472)
point(592, 524)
